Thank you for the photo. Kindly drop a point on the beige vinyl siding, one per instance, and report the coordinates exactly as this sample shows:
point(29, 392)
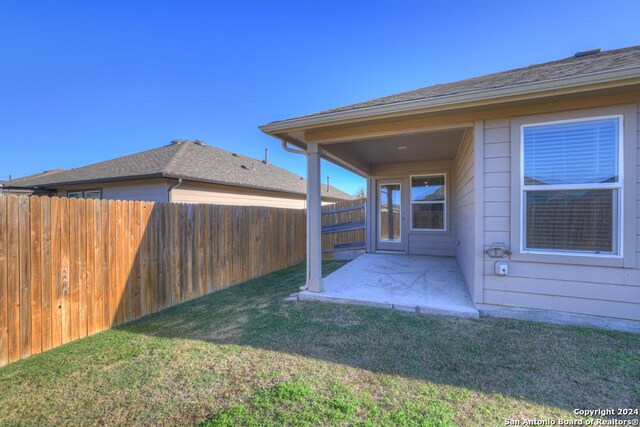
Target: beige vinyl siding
point(638, 193)
point(152, 190)
point(438, 243)
point(463, 209)
point(612, 292)
point(193, 192)
point(497, 181)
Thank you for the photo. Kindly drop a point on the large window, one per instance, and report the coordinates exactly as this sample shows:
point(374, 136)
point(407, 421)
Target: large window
point(428, 202)
point(572, 186)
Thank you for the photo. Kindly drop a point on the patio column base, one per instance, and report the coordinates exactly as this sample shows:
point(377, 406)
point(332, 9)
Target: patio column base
point(315, 285)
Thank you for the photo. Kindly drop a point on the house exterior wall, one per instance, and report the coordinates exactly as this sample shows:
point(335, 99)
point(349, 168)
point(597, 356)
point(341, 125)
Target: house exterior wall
point(157, 190)
point(638, 191)
point(463, 209)
point(152, 190)
point(440, 243)
point(582, 286)
point(193, 192)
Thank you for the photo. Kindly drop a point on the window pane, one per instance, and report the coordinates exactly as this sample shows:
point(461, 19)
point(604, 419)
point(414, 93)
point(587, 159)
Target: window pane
point(389, 202)
point(427, 188)
point(571, 153)
point(428, 215)
point(74, 194)
point(570, 220)
point(93, 194)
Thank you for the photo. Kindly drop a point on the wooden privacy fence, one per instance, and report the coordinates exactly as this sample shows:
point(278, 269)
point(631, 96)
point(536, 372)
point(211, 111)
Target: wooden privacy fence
point(343, 227)
point(73, 267)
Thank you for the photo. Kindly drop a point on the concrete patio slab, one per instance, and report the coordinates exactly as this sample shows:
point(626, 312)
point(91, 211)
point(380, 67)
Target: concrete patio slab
point(423, 284)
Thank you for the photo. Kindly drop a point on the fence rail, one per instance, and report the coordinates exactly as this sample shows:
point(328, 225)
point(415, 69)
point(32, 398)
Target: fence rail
point(73, 267)
point(343, 227)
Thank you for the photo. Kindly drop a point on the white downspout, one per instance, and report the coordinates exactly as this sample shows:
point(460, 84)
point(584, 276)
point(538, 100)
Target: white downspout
point(176, 185)
point(292, 150)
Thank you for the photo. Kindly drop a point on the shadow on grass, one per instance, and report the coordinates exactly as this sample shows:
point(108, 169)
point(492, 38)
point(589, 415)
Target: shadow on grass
point(565, 367)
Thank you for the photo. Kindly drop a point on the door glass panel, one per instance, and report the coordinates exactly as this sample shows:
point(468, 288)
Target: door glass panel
point(389, 202)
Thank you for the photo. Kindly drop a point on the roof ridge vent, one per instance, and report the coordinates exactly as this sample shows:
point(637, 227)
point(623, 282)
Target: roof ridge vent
point(200, 143)
point(587, 53)
point(177, 141)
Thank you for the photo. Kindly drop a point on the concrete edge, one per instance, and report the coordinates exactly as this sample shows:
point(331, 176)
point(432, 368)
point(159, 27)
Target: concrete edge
point(560, 318)
point(486, 310)
point(468, 314)
point(292, 297)
point(304, 296)
point(347, 255)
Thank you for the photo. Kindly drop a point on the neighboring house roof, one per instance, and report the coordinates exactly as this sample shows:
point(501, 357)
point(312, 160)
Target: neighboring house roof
point(44, 174)
point(189, 160)
point(582, 64)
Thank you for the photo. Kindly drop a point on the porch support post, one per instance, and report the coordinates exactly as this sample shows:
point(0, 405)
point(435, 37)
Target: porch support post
point(314, 221)
point(370, 211)
point(478, 192)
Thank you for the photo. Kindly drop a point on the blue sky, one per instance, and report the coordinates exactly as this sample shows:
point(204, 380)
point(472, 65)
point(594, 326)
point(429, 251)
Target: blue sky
point(82, 82)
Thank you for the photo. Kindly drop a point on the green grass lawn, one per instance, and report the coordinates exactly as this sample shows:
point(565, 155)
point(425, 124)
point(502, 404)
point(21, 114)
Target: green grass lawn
point(243, 356)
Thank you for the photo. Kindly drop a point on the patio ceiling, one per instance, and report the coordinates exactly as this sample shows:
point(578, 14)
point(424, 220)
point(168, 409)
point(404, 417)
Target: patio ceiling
point(441, 145)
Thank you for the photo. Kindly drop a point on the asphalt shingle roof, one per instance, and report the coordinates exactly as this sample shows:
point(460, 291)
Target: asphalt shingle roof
point(188, 160)
point(568, 67)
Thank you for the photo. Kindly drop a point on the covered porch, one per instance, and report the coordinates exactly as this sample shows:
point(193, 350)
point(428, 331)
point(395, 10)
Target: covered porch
point(416, 283)
point(423, 213)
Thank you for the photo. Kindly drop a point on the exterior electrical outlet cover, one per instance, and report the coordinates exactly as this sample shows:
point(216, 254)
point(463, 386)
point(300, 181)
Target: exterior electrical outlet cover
point(502, 268)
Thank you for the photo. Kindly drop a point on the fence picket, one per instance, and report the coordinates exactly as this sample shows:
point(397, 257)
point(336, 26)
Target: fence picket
point(4, 291)
point(24, 237)
point(65, 270)
point(56, 275)
point(13, 279)
point(90, 265)
point(35, 273)
point(46, 267)
point(82, 272)
point(343, 224)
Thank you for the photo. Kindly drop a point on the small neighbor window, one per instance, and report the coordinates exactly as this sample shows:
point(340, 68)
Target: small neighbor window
point(84, 194)
point(428, 202)
point(571, 186)
point(92, 194)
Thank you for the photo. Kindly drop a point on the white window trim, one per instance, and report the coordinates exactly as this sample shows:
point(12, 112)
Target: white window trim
point(445, 211)
point(618, 234)
point(379, 214)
